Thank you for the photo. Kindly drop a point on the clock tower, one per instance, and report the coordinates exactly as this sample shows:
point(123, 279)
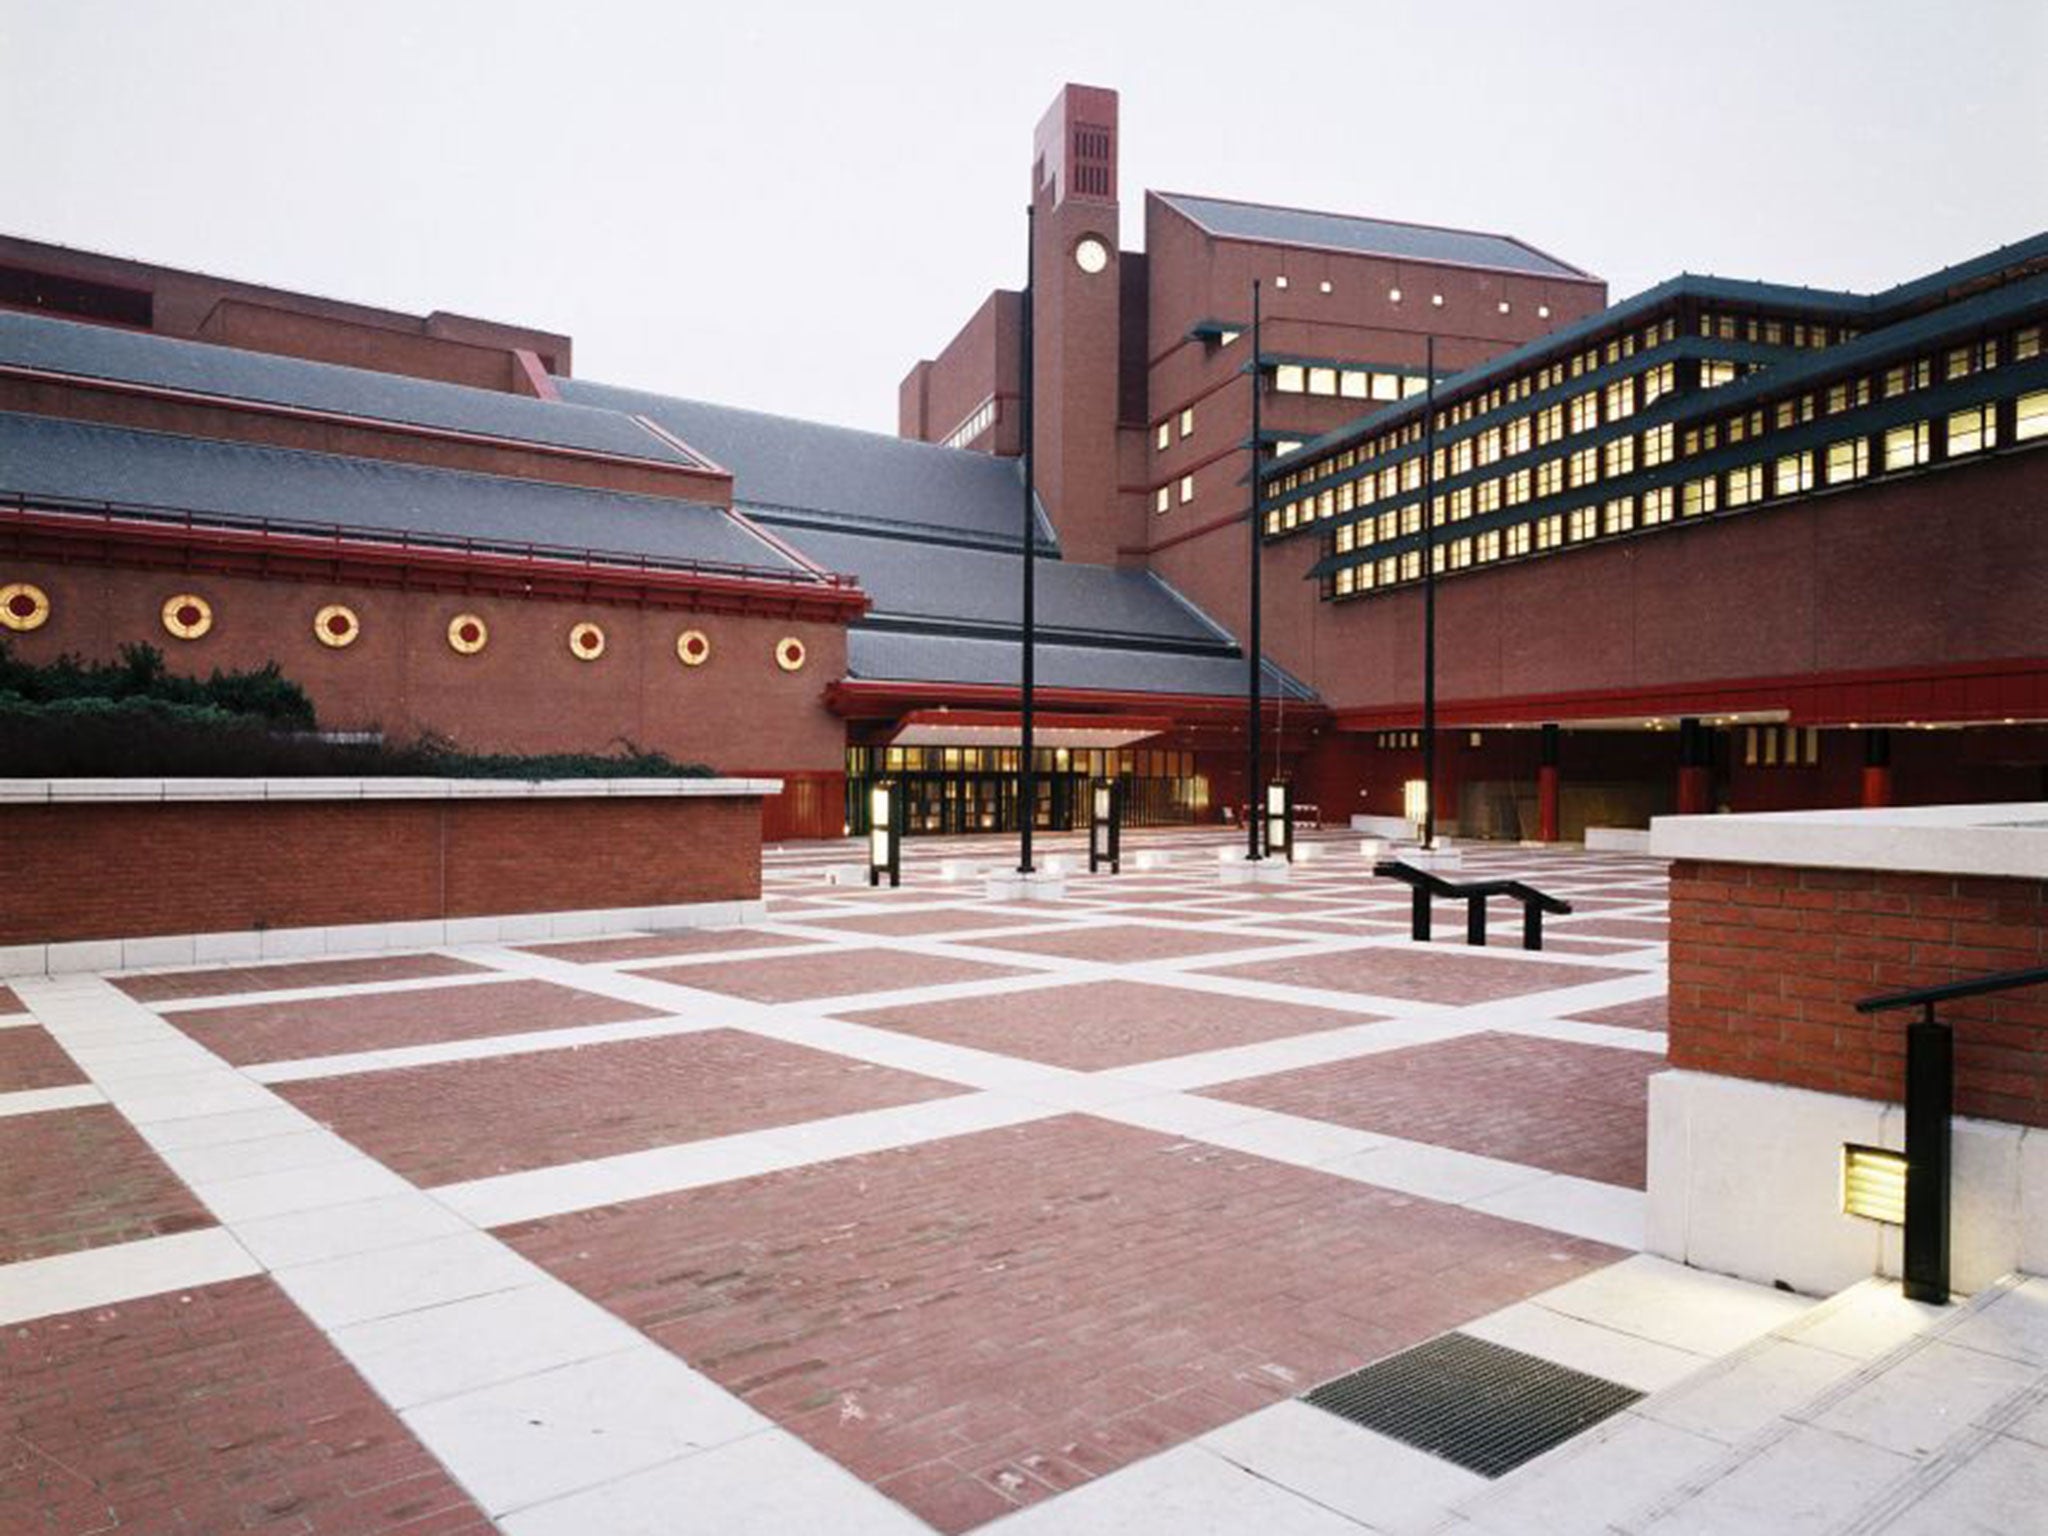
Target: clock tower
point(1075, 315)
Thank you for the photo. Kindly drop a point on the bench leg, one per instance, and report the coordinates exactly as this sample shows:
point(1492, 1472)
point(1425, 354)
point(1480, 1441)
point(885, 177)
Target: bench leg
point(1419, 905)
point(1475, 920)
point(1532, 927)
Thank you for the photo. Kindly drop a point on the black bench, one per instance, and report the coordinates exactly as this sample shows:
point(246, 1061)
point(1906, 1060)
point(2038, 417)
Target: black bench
point(1427, 886)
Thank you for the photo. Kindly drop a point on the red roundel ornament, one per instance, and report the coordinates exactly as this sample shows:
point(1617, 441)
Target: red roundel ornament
point(789, 654)
point(468, 634)
point(337, 626)
point(586, 641)
point(693, 647)
point(187, 615)
point(23, 606)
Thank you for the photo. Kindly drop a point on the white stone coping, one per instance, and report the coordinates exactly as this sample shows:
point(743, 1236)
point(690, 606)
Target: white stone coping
point(176, 791)
point(2007, 841)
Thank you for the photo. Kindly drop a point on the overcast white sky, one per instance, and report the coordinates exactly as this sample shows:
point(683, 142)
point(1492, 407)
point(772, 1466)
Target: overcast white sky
point(784, 205)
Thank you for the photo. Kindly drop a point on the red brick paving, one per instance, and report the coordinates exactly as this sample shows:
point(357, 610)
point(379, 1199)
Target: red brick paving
point(31, 1058)
point(832, 974)
point(703, 941)
point(1650, 1013)
point(1129, 942)
point(1552, 1104)
point(9, 1003)
point(1645, 929)
point(972, 1323)
point(448, 1122)
point(1435, 974)
point(253, 1032)
point(82, 1178)
point(1106, 1024)
point(201, 1413)
point(938, 920)
point(299, 973)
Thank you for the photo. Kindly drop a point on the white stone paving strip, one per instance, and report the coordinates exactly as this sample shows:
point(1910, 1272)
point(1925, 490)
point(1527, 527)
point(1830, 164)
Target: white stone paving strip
point(502, 1371)
point(33, 1101)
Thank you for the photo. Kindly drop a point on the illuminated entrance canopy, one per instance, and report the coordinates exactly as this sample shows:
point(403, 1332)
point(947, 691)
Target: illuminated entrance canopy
point(1003, 728)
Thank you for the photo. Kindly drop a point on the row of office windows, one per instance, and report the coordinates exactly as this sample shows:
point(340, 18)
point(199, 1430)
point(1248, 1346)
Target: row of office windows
point(979, 421)
point(1346, 383)
point(1626, 454)
point(1972, 430)
point(1163, 496)
point(1162, 435)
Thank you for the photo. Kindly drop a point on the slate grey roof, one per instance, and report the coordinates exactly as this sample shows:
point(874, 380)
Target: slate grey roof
point(880, 655)
point(940, 581)
point(835, 473)
point(44, 456)
point(1374, 237)
point(135, 357)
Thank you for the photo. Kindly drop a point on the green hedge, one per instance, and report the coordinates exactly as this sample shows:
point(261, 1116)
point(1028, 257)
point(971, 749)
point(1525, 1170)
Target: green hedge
point(132, 719)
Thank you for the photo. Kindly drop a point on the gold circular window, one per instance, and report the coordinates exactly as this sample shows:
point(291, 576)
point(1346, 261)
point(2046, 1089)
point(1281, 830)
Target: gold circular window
point(187, 615)
point(337, 626)
point(468, 634)
point(789, 653)
point(586, 641)
point(23, 607)
point(693, 647)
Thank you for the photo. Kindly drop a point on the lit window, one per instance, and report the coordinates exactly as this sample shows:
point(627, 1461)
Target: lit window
point(1187, 489)
point(1326, 504)
point(1657, 446)
point(1518, 487)
point(2026, 343)
point(1699, 497)
point(1461, 456)
point(1794, 473)
point(1518, 540)
point(1907, 377)
point(1461, 504)
point(1347, 539)
point(1347, 578)
point(1347, 496)
point(1165, 434)
point(1550, 424)
point(1618, 457)
point(1848, 460)
point(2030, 419)
point(1290, 378)
point(1411, 565)
point(1906, 447)
point(1715, 372)
point(1411, 517)
point(1585, 411)
point(1386, 386)
point(1550, 477)
point(1322, 381)
point(1745, 485)
point(1272, 522)
point(1187, 422)
point(1227, 337)
point(1620, 399)
point(1583, 523)
point(1356, 385)
point(1390, 569)
point(1461, 554)
point(1390, 524)
point(1162, 498)
point(1657, 506)
point(1550, 531)
point(1659, 382)
point(1486, 548)
point(1619, 515)
point(1518, 436)
point(1411, 474)
point(1488, 499)
point(1585, 467)
point(1972, 430)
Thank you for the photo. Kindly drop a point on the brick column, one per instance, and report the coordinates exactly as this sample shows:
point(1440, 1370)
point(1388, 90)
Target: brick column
point(1547, 788)
point(1877, 767)
point(1695, 771)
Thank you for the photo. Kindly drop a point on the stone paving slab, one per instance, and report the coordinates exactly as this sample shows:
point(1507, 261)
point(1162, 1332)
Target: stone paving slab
point(441, 1124)
point(256, 1032)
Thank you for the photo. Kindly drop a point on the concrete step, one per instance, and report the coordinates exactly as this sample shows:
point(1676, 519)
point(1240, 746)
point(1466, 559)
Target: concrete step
point(1867, 1413)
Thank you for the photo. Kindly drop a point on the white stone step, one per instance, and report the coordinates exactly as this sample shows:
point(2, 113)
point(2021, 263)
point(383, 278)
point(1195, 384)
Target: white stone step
point(1865, 1413)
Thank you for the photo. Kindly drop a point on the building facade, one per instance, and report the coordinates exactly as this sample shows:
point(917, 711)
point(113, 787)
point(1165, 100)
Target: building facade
point(1719, 544)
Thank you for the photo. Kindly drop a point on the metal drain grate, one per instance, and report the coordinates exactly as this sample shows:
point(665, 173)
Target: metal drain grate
point(1480, 1405)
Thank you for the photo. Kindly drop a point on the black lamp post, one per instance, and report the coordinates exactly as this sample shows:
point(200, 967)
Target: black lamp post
point(1027, 777)
point(1253, 680)
point(1429, 598)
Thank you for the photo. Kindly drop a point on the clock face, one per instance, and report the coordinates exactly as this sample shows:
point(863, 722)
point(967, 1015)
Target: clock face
point(1091, 255)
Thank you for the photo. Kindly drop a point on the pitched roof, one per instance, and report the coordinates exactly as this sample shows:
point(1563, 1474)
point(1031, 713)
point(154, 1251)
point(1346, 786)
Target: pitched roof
point(138, 357)
point(834, 474)
point(47, 457)
point(880, 655)
point(1371, 237)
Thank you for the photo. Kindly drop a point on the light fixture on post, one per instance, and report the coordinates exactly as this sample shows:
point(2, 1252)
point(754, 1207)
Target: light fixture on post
point(1105, 826)
point(1280, 820)
point(885, 834)
point(1415, 805)
point(1874, 1184)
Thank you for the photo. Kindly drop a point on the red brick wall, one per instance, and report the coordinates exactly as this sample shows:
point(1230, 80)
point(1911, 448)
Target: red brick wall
point(524, 692)
point(1767, 961)
point(129, 871)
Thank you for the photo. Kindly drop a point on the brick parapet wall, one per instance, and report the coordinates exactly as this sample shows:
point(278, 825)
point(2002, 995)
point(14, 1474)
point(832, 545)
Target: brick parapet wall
point(1767, 962)
point(139, 870)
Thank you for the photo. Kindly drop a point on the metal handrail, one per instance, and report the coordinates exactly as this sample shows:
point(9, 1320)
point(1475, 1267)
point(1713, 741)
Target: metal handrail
point(1947, 992)
point(1426, 885)
point(109, 512)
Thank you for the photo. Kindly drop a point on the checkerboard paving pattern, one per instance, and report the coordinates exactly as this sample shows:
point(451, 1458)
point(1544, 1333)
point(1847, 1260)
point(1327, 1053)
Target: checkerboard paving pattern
point(899, 1210)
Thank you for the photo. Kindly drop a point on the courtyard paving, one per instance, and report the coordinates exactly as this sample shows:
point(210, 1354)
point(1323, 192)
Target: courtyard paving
point(902, 1210)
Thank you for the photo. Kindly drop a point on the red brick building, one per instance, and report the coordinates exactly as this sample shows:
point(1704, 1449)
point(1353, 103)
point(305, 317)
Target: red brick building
point(1669, 573)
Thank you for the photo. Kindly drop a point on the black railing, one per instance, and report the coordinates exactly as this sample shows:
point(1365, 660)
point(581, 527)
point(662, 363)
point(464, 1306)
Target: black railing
point(1930, 1105)
point(1426, 886)
point(111, 514)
